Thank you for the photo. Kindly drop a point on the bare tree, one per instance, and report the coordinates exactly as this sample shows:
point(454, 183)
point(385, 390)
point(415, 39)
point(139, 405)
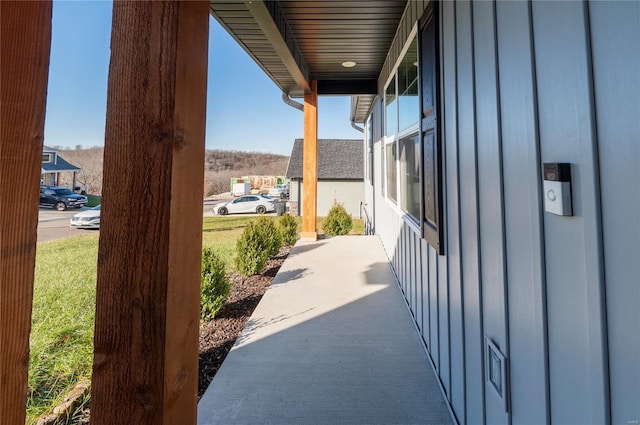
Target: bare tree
point(90, 160)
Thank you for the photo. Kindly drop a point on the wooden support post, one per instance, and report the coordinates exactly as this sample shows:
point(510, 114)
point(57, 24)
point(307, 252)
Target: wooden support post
point(310, 166)
point(25, 44)
point(148, 291)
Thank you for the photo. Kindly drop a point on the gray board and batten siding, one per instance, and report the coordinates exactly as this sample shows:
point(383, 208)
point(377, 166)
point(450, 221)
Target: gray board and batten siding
point(523, 84)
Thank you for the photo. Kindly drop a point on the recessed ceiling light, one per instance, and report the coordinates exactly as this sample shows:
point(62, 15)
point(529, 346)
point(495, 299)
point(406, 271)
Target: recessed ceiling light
point(349, 64)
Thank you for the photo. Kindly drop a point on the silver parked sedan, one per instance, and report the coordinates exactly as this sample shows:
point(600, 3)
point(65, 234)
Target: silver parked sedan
point(246, 204)
point(89, 219)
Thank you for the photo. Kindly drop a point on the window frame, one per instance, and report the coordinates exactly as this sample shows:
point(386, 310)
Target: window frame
point(394, 80)
point(370, 146)
point(383, 174)
point(413, 131)
point(391, 141)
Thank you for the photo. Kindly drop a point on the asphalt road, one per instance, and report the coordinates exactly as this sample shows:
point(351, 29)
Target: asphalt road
point(54, 224)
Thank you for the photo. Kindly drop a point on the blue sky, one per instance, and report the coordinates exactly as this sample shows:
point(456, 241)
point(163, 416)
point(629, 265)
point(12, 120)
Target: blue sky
point(244, 107)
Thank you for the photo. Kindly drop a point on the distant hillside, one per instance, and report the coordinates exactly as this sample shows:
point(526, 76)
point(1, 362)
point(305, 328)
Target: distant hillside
point(219, 167)
point(259, 163)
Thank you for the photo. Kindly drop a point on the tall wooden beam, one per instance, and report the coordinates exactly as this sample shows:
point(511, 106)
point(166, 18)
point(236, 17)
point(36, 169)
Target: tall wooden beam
point(310, 166)
point(25, 44)
point(147, 308)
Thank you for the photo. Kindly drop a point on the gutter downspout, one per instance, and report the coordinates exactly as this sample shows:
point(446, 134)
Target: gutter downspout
point(360, 129)
point(286, 99)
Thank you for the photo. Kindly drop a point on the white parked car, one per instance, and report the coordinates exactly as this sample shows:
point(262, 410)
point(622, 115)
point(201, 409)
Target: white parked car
point(246, 204)
point(279, 191)
point(89, 219)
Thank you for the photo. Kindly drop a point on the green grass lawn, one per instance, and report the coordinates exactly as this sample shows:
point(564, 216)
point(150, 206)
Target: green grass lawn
point(62, 320)
point(221, 233)
point(64, 306)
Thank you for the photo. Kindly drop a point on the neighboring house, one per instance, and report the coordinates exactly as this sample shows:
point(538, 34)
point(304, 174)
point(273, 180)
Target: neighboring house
point(340, 174)
point(52, 165)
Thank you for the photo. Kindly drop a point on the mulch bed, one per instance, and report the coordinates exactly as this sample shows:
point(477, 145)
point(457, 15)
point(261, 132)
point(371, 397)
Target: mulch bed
point(218, 336)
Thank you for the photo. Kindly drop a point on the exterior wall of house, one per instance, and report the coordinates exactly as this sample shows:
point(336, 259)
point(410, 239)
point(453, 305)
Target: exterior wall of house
point(348, 192)
point(525, 84)
point(372, 165)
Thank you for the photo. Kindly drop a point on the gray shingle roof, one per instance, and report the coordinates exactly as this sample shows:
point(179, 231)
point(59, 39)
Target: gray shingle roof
point(60, 165)
point(339, 159)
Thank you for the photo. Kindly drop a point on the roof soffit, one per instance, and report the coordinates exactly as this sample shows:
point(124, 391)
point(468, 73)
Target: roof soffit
point(274, 25)
point(296, 41)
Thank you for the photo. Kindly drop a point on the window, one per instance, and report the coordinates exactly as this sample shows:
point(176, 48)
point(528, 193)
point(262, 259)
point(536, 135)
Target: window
point(375, 133)
point(382, 160)
point(46, 157)
point(402, 117)
point(410, 175)
point(408, 105)
point(391, 108)
point(392, 172)
point(369, 138)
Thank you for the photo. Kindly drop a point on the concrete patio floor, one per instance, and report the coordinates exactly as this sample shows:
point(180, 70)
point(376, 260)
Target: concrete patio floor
point(331, 342)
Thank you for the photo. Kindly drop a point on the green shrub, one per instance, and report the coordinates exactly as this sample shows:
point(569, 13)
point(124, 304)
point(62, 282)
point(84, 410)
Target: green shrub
point(251, 253)
point(260, 241)
point(338, 221)
point(288, 229)
point(214, 286)
point(272, 236)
